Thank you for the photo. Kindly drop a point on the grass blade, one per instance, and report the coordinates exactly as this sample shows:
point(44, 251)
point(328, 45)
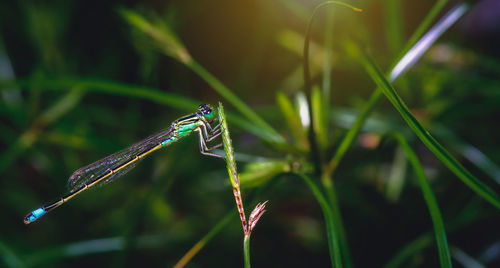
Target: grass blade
point(333, 240)
point(434, 146)
point(308, 85)
point(108, 87)
point(393, 25)
point(293, 121)
point(231, 167)
point(427, 40)
point(319, 121)
point(437, 221)
point(169, 44)
point(31, 135)
point(235, 182)
point(200, 244)
point(9, 258)
point(132, 91)
point(351, 134)
point(271, 134)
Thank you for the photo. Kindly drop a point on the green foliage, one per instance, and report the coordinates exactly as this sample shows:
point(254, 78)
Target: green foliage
point(81, 89)
point(439, 230)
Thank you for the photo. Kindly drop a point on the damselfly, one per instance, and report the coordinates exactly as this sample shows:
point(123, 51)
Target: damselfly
point(115, 165)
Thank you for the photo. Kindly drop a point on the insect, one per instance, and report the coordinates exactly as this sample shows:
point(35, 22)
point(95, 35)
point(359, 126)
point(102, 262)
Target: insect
point(116, 165)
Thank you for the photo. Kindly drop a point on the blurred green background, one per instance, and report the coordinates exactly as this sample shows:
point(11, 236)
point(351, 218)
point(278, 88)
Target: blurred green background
point(80, 80)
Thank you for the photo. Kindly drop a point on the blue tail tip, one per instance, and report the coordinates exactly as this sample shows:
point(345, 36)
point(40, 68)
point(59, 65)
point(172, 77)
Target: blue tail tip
point(34, 215)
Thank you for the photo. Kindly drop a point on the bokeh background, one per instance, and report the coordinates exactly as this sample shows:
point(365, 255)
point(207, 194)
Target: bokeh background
point(67, 70)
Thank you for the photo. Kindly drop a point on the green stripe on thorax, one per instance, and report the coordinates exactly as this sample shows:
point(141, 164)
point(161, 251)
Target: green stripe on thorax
point(184, 126)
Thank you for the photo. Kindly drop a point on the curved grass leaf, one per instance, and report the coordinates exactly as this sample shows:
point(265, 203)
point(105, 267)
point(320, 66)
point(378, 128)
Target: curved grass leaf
point(434, 146)
point(316, 156)
point(437, 221)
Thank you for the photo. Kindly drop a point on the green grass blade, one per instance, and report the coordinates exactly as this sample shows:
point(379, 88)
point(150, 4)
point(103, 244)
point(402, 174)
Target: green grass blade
point(225, 92)
point(351, 134)
point(308, 85)
point(41, 257)
point(333, 240)
point(235, 182)
point(469, 152)
point(31, 135)
point(326, 87)
point(165, 38)
point(293, 121)
point(472, 212)
point(396, 178)
point(228, 149)
point(337, 218)
point(318, 112)
point(107, 87)
point(132, 91)
point(434, 146)
point(169, 44)
point(437, 221)
point(200, 244)
point(246, 251)
point(9, 258)
point(393, 24)
point(422, 28)
point(409, 250)
point(465, 259)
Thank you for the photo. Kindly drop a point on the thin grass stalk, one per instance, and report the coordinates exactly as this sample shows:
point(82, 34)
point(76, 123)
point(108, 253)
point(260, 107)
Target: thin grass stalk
point(318, 126)
point(326, 88)
point(235, 182)
point(216, 229)
point(315, 153)
point(430, 199)
point(246, 251)
point(231, 166)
